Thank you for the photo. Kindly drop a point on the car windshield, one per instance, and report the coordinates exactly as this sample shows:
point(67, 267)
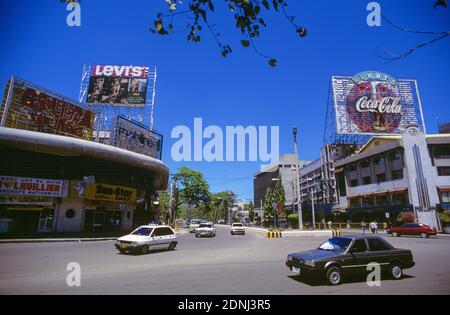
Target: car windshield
point(195, 222)
point(203, 225)
point(237, 224)
point(144, 231)
point(336, 244)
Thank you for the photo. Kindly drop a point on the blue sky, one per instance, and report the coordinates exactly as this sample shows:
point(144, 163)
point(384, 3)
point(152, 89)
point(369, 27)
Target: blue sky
point(195, 81)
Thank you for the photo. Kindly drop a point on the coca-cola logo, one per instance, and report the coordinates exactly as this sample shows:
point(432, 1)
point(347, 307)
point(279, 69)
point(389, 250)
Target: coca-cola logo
point(374, 107)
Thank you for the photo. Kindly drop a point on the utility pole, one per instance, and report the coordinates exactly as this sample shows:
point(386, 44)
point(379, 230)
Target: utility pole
point(299, 203)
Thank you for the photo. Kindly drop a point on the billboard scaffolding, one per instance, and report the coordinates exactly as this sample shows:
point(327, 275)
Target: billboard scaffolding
point(115, 90)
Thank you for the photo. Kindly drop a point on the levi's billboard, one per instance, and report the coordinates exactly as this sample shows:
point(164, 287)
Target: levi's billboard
point(117, 85)
point(372, 102)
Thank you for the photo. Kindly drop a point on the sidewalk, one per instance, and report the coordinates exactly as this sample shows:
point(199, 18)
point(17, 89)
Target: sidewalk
point(71, 237)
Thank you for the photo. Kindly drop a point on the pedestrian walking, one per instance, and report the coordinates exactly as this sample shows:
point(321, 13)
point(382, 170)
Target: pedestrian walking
point(363, 227)
point(385, 226)
point(373, 226)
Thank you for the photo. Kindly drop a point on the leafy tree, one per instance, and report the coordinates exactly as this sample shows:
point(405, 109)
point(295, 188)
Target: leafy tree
point(406, 217)
point(191, 189)
point(269, 212)
point(251, 212)
point(221, 202)
point(247, 14)
point(279, 196)
point(164, 206)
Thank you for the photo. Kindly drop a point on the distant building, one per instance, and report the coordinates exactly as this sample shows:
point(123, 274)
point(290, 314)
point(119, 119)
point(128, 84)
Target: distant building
point(241, 208)
point(444, 128)
point(390, 174)
point(267, 177)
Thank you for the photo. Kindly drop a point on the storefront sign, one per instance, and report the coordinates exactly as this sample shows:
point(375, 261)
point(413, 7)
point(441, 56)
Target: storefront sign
point(110, 193)
point(26, 200)
point(23, 186)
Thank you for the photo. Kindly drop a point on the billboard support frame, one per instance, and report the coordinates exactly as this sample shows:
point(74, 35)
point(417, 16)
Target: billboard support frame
point(7, 102)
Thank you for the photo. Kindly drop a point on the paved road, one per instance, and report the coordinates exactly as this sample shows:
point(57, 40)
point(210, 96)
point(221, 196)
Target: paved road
point(226, 264)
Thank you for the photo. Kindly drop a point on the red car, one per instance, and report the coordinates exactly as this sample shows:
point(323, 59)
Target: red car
point(413, 229)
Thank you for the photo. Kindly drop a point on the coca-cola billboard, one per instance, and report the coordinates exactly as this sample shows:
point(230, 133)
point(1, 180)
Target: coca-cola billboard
point(375, 103)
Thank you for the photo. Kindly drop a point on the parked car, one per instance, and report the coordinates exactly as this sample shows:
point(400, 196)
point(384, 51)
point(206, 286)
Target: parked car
point(147, 237)
point(413, 229)
point(340, 256)
point(205, 229)
point(194, 224)
point(237, 228)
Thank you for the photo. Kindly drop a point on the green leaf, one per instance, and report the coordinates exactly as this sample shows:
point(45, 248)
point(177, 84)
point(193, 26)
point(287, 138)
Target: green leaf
point(301, 31)
point(245, 43)
point(265, 3)
point(273, 62)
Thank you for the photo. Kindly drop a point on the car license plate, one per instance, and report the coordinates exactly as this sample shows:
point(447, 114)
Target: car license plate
point(295, 269)
point(123, 246)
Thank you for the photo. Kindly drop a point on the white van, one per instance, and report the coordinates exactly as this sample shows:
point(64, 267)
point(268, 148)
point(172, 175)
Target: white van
point(147, 237)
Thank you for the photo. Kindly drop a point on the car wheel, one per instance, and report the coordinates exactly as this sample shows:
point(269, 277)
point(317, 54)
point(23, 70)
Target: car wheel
point(144, 249)
point(396, 271)
point(334, 276)
point(196, 235)
point(394, 234)
point(172, 246)
point(423, 235)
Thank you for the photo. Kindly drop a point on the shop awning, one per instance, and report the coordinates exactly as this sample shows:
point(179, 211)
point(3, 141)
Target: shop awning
point(380, 193)
point(444, 188)
point(339, 170)
point(398, 190)
point(73, 147)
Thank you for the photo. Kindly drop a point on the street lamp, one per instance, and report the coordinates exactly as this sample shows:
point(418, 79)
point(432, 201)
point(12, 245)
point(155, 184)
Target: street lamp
point(299, 204)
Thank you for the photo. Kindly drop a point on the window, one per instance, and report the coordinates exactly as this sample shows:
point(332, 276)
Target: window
point(164, 231)
point(353, 182)
point(352, 167)
point(399, 199)
point(144, 231)
point(365, 164)
point(381, 200)
point(381, 177)
point(367, 201)
point(397, 174)
point(379, 160)
point(367, 180)
point(442, 152)
point(445, 196)
point(377, 244)
point(354, 202)
point(70, 213)
point(394, 156)
point(443, 171)
point(359, 246)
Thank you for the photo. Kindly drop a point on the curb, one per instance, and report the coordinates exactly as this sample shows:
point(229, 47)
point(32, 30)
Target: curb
point(56, 240)
point(67, 240)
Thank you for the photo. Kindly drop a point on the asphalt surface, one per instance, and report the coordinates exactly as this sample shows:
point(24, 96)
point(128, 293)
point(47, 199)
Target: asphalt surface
point(242, 265)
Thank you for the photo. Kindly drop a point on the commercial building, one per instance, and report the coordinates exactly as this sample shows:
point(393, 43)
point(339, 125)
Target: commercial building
point(267, 177)
point(55, 178)
point(390, 174)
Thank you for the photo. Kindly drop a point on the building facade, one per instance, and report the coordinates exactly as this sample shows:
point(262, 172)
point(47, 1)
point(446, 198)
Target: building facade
point(267, 177)
point(390, 174)
point(57, 176)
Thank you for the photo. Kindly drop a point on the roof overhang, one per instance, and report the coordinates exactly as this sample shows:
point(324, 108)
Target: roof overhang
point(67, 146)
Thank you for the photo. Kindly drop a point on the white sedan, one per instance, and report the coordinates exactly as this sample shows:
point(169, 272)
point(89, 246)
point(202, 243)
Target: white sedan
point(205, 229)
